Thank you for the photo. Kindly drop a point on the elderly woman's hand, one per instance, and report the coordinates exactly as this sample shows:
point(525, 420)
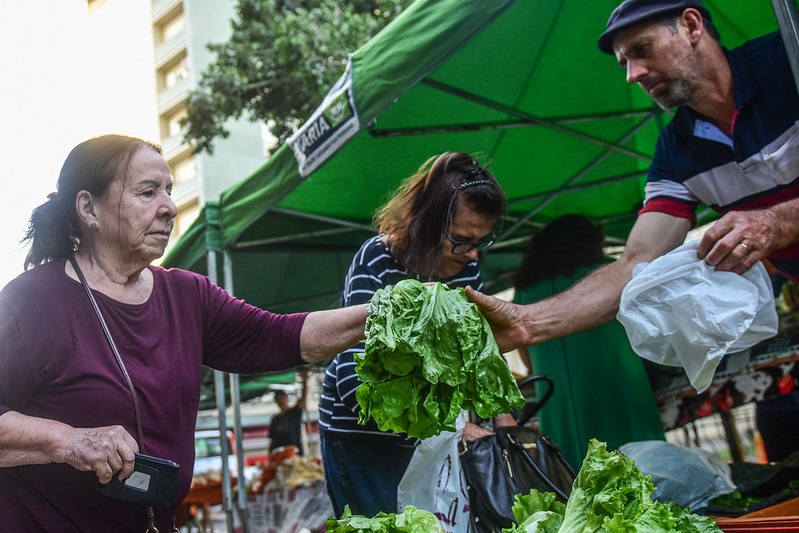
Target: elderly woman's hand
point(106, 451)
point(472, 431)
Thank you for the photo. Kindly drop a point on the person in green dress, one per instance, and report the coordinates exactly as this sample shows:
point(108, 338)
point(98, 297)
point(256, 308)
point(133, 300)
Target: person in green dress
point(601, 386)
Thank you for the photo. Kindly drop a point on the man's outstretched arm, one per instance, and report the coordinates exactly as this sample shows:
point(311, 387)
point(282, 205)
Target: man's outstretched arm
point(590, 302)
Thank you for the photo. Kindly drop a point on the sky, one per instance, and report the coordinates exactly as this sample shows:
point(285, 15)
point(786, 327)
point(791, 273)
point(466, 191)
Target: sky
point(60, 86)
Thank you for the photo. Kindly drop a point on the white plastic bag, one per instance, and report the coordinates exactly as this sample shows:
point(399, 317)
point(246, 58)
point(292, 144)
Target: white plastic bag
point(434, 481)
point(690, 477)
point(679, 311)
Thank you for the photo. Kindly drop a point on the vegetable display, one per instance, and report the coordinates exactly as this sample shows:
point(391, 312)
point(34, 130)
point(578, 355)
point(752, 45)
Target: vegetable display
point(610, 495)
point(429, 353)
point(412, 520)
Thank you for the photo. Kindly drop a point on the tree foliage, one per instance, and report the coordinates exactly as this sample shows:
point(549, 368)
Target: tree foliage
point(280, 61)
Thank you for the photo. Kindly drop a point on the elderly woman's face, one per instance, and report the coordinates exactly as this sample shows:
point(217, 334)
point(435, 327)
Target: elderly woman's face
point(137, 214)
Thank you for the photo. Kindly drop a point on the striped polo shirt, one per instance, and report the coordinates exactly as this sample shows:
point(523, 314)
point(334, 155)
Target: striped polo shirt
point(758, 166)
point(372, 268)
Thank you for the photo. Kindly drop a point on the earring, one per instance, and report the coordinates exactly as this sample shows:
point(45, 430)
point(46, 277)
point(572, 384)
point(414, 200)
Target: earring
point(93, 225)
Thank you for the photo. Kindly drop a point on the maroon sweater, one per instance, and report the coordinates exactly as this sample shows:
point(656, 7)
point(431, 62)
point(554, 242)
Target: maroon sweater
point(55, 363)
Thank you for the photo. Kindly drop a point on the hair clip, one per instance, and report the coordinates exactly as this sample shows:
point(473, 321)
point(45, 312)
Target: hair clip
point(467, 184)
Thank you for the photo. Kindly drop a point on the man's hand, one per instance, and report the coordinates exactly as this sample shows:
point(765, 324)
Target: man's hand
point(739, 239)
point(504, 317)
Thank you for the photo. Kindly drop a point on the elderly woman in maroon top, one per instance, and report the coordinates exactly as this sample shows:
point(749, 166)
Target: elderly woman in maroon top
point(67, 412)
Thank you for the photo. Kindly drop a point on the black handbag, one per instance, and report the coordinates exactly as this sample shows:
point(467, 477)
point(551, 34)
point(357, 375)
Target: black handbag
point(512, 461)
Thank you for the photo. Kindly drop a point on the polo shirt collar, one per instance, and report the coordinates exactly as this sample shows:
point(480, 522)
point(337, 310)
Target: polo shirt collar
point(746, 88)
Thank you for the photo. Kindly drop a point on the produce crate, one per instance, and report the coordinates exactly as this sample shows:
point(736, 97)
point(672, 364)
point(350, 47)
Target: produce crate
point(780, 517)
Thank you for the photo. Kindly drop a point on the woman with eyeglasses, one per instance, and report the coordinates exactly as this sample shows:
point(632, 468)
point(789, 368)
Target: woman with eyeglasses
point(432, 229)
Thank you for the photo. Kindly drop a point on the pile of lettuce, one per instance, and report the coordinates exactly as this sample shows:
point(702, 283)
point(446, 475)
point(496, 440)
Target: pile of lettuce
point(412, 520)
point(609, 495)
point(429, 353)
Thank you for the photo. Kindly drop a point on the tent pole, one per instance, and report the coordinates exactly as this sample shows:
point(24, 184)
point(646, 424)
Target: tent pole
point(212, 240)
point(241, 486)
point(219, 388)
point(788, 20)
point(235, 400)
point(227, 496)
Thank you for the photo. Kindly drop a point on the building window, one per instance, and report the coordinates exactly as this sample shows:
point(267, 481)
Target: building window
point(173, 27)
point(184, 171)
point(176, 73)
point(173, 126)
point(187, 214)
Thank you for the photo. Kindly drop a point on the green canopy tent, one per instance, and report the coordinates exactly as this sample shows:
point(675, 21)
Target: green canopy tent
point(519, 84)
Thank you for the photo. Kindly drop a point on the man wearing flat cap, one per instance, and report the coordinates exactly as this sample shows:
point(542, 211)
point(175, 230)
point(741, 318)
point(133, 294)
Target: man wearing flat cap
point(733, 145)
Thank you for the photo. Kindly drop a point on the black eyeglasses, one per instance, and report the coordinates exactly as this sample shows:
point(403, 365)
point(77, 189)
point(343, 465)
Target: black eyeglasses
point(464, 247)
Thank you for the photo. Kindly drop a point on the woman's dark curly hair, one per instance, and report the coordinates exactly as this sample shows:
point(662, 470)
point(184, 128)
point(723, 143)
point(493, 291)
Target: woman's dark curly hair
point(564, 245)
point(418, 216)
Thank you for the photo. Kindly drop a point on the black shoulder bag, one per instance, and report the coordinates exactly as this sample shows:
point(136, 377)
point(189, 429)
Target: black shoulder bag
point(512, 461)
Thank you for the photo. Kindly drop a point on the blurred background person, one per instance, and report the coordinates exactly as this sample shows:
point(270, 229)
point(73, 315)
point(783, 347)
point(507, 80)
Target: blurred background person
point(285, 428)
point(432, 229)
point(601, 387)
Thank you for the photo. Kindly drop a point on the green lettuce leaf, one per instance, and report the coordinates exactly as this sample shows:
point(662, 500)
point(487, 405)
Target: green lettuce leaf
point(429, 354)
point(609, 495)
point(412, 520)
point(536, 512)
point(607, 484)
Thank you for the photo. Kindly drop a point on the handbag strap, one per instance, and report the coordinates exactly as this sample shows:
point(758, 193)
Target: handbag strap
point(113, 345)
point(553, 449)
point(150, 513)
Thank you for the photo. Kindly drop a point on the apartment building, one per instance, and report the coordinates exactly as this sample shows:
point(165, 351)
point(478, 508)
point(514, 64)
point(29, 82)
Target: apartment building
point(177, 34)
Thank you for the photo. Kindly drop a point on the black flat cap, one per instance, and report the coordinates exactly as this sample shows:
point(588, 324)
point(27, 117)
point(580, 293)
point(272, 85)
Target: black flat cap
point(632, 12)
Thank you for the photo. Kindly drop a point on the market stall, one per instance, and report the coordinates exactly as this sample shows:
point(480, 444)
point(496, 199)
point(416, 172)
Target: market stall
point(412, 91)
point(763, 372)
point(287, 496)
point(304, 508)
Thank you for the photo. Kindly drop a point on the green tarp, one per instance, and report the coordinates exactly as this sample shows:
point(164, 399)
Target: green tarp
point(521, 84)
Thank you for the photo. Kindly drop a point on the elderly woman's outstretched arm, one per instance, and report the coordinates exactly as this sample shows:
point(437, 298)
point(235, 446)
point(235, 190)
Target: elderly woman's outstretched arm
point(329, 332)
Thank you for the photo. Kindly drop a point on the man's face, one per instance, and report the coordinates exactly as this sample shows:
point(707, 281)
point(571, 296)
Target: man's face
point(282, 401)
point(659, 57)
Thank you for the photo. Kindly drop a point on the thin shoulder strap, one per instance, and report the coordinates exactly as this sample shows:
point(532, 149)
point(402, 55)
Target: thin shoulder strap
point(113, 345)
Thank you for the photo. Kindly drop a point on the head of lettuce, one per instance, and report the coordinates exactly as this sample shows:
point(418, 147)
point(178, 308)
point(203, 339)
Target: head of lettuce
point(429, 354)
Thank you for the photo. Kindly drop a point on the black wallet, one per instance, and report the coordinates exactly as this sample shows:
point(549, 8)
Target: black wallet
point(154, 482)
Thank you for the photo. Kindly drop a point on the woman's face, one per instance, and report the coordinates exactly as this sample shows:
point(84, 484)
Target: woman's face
point(137, 214)
point(467, 226)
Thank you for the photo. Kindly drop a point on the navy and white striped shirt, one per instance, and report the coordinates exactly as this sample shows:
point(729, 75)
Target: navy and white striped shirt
point(372, 268)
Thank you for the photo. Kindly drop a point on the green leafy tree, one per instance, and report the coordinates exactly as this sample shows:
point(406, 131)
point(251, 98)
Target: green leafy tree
point(280, 61)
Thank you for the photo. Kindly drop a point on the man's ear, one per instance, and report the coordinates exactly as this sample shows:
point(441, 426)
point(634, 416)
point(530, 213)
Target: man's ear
point(691, 19)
